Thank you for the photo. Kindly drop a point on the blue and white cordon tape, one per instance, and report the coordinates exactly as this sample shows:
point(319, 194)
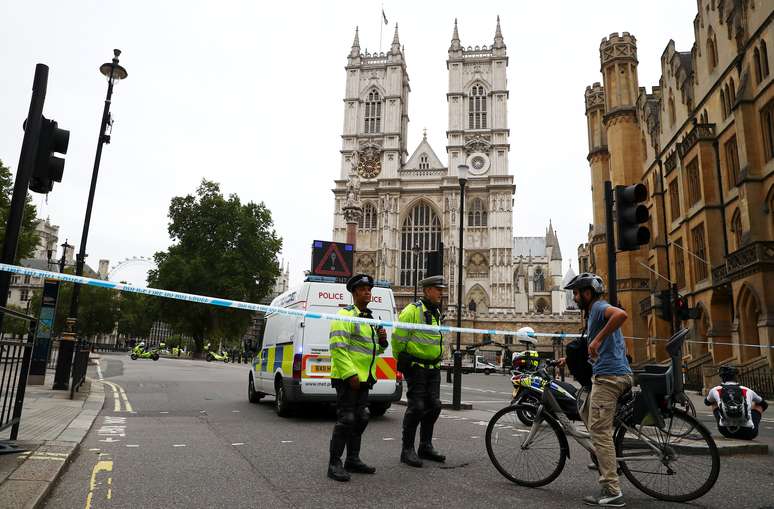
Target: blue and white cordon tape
point(227, 303)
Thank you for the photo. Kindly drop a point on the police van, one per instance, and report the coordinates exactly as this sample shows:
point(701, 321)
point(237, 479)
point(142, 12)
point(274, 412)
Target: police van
point(294, 363)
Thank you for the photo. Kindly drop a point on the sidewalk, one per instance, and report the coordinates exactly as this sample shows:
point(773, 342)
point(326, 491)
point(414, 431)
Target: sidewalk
point(52, 427)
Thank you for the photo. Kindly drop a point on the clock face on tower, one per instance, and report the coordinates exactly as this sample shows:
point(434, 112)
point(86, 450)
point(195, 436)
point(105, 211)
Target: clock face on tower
point(478, 163)
point(369, 164)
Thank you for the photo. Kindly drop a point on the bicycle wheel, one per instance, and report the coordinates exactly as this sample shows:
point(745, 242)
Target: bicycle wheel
point(687, 466)
point(684, 403)
point(532, 464)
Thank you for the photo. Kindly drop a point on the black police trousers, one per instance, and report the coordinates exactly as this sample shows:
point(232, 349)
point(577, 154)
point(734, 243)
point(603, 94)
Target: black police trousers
point(424, 405)
point(351, 419)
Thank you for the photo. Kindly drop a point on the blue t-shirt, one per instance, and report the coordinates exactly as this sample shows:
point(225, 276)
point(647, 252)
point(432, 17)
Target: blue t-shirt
point(612, 351)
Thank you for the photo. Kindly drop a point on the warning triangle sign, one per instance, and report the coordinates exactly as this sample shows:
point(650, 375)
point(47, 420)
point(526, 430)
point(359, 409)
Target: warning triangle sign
point(333, 263)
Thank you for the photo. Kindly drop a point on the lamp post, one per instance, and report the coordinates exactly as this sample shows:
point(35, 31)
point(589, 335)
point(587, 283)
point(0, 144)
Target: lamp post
point(113, 72)
point(462, 172)
point(416, 250)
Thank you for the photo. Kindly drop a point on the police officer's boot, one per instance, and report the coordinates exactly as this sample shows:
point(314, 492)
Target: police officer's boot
point(335, 468)
point(426, 449)
point(407, 453)
point(353, 462)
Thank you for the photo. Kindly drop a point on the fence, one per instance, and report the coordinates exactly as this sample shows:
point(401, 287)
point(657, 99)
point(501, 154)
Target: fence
point(15, 357)
point(53, 354)
point(760, 379)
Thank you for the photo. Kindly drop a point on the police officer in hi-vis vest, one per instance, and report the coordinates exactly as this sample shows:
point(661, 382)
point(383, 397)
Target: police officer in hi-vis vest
point(354, 348)
point(419, 356)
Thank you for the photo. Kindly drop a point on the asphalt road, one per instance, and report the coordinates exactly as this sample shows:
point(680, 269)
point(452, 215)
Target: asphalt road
point(179, 433)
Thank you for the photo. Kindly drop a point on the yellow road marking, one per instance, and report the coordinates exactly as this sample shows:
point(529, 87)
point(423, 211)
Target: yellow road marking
point(110, 488)
point(116, 399)
point(126, 400)
point(101, 466)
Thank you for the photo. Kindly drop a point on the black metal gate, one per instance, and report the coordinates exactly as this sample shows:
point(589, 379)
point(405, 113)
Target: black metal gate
point(15, 356)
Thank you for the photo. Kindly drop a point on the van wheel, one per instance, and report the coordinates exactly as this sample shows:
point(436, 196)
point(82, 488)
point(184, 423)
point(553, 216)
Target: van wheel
point(281, 404)
point(252, 395)
point(378, 409)
point(487, 371)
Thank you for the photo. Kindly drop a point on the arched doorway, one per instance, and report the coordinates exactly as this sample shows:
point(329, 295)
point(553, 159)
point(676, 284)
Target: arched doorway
point(421, 228)
point(748, 313)
point(701, 327)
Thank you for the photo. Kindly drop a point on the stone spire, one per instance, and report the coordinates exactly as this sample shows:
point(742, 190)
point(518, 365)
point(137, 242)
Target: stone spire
point(455, 42)
point(395, 42)
point(355, 45)
point(498, 39)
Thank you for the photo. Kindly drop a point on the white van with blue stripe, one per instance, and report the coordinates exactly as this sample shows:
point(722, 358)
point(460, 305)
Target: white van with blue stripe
point(294, 363)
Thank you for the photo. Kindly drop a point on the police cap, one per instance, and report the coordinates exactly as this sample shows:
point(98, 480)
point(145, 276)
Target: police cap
point(359, 280)
point(433, 282)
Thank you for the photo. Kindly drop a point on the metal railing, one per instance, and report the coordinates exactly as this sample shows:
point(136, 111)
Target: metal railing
point(760, 379)
point(693, 377)
point(15, 358)
point(53, 354)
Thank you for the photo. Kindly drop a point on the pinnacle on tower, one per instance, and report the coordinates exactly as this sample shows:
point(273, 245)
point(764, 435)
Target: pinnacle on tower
point(455, 42)
point(355, 45)
point(498, 39)
point(395, 42)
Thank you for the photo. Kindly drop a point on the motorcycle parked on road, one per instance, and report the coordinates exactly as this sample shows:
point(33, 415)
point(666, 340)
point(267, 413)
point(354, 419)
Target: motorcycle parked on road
point(141, 353)
point(215, 356)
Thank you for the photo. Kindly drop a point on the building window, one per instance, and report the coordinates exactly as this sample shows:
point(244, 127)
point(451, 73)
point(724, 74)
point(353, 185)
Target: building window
point(764, 60)
point(694, 182)
point(723, 107)
point(757, 66)
point(26, 280)
point(767, 125)
point(679, 255)
point(367, 221)
point(477, 108)
point(712, 51)
point(674, 199)
point(736, 228)
point(420, 228)
point(732, 97)
point(539, 280)
point(424, 163)
point(477, 213)
point(732, 162)
point(373, 113)
point(671, 109)
point(24, 295)
point(699, 253)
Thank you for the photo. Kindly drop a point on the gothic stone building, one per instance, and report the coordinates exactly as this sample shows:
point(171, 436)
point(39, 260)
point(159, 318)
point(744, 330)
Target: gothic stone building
point(703, 143)
point(400, 204)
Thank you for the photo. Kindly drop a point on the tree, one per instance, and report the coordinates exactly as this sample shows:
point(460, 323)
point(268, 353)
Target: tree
point(137, 312)
point(16, 326)
point(221, 248)
point(97, 311)
point(28, 238)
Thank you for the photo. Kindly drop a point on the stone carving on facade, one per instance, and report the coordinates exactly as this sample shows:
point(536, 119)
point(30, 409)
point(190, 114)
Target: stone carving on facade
point(477, 143)
point(353, 207)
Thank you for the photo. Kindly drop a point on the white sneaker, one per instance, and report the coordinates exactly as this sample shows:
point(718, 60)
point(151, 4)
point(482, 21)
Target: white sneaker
point(606, 499)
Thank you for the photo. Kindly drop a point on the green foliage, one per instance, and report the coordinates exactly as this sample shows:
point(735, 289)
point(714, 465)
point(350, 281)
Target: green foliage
point(97, 313)
point(28, 238)
point(16, 326)
point(221, 248)
point(137, 312)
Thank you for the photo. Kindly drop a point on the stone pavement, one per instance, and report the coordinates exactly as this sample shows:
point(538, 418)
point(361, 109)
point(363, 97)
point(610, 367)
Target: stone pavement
point(52, 427)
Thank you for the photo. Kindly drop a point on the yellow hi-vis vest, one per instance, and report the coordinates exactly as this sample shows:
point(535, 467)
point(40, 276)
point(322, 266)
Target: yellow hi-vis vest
point(354, 348)
point(421, 344)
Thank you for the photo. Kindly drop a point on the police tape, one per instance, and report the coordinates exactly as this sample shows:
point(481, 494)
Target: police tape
point(268, 310)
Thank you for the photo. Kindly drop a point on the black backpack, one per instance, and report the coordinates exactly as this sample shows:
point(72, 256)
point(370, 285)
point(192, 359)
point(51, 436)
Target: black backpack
point(733, 404)
point(577, 360)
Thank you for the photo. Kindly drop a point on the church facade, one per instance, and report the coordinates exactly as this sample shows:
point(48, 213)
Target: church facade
point(397, 208)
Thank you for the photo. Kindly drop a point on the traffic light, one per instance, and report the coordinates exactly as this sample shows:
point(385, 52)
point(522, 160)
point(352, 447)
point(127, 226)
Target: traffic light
point(48, 167)
point(630, 214)
point(663, 305)
point(684, 311)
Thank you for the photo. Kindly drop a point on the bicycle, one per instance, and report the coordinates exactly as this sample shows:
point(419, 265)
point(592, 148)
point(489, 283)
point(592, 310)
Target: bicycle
point(663, 451)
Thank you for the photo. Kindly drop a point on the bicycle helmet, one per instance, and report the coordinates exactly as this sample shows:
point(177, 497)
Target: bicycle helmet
point(727, 373)
point(586, 280)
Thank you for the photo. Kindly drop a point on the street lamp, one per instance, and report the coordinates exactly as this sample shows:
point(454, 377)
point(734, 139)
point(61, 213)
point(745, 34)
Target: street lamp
point(113, 72)
point(416, 250)
point(462, 172)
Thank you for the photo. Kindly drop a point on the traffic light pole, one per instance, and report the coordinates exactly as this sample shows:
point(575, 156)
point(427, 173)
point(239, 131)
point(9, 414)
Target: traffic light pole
point(23, 175)
point(612, 293)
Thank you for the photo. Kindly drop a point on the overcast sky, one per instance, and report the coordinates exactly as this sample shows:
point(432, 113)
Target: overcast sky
point(249, 94)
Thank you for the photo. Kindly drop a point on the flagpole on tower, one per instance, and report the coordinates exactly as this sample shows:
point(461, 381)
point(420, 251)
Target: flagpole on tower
point(381, 27)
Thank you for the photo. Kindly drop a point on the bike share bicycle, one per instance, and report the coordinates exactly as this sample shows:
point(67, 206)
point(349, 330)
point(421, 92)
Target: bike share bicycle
point(662, 450)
